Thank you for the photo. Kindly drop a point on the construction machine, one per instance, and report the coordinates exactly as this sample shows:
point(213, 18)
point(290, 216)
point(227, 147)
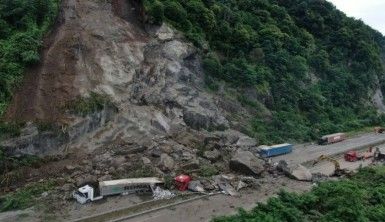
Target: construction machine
point(337, 168)
point(353, 156)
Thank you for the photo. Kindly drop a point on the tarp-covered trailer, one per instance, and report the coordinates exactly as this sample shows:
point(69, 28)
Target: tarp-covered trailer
point(128, 186)
point(332, 138)
point(275, 150)
point(88, 193)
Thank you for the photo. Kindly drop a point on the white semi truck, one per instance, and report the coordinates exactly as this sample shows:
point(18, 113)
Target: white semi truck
point(87, 193)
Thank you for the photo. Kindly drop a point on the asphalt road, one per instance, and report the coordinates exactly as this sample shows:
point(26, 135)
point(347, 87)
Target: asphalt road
point(219, 205)
point(204, 210)
point(309, 152)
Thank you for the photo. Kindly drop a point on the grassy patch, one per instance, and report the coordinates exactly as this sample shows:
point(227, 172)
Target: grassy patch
point(10, 129)
point(84, 106)
point(207, 170)
point(25, 197)
point(8, 163)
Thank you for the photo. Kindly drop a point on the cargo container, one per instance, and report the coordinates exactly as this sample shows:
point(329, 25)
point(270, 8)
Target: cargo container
point(275, 150)
point(88, 193)
point(332, 138)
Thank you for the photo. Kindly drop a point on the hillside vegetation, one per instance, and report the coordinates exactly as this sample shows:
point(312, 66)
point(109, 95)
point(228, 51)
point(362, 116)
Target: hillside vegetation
point(361, 198)
point(22, 26)
point(310, 64)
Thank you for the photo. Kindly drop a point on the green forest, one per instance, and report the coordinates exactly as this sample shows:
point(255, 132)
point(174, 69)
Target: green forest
point(360, 198)
point(23, 24)
point(310, 64)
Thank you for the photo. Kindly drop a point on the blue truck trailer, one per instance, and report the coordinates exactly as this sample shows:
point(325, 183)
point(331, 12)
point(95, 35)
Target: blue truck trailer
point(275, 150)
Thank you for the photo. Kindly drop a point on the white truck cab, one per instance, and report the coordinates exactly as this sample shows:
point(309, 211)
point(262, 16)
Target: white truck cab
point(85, 194)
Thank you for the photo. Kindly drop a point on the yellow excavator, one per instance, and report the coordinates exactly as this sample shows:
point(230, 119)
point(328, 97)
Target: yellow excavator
point(337, 168)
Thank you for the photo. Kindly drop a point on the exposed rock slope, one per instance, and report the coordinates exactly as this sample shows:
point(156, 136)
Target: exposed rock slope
point(152, 75)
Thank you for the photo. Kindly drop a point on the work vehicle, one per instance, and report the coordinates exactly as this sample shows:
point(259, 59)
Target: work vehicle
point(88, 193)
point(275, 150)
point(332, 138)
point(182, 181)
point(353, 156)
point(337, 167)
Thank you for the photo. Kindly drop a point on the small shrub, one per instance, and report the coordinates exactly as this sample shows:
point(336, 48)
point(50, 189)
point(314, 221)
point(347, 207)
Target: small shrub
point(25, 197)
point(208, 170)
point(10, 129)
point(168, 181)
point(84, 106)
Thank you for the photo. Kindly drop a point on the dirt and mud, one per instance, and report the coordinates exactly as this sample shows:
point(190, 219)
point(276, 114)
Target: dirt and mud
point(75, 54)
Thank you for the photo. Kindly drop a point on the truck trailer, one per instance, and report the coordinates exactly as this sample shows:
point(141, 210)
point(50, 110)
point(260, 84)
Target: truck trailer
point(88, 193)
point(275, 150)
point(332, 138)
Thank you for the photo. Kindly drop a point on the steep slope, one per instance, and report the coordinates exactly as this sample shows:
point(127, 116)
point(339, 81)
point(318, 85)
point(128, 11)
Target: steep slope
point(152, 76)
point(315, 68)
point(23, 24)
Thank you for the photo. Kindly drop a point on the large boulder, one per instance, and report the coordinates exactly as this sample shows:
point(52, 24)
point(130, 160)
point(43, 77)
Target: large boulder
point(197, 119)
point(298, 172)
point(166, 162)
point(246, 163)
point(212, 155)
point(246, 141)
point(161, 122)
point(196, 186)
point(301, 173)
point(86, 179)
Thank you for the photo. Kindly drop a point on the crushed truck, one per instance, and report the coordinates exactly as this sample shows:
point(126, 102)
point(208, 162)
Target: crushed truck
point(332, 138)
point(275, 150)
point(89, 193)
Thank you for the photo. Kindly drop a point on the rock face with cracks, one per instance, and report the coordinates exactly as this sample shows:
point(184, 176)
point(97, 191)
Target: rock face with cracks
point(162, 113)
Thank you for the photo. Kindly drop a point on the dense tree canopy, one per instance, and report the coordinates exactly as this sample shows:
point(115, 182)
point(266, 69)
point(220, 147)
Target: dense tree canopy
point(317, 67)
point(22, 26)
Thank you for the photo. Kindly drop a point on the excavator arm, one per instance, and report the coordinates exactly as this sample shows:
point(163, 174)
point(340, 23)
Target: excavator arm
point(337, 166)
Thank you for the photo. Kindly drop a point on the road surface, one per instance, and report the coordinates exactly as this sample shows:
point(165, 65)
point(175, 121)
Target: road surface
point(205, 209)
point(219, 205)
point(308, 152)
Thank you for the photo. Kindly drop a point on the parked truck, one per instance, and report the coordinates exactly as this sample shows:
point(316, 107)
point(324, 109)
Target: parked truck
point(89, 193)
point(275, 150)
point(332, 138)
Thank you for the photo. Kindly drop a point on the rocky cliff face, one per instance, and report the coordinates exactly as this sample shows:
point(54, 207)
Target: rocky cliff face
point(151, 74)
